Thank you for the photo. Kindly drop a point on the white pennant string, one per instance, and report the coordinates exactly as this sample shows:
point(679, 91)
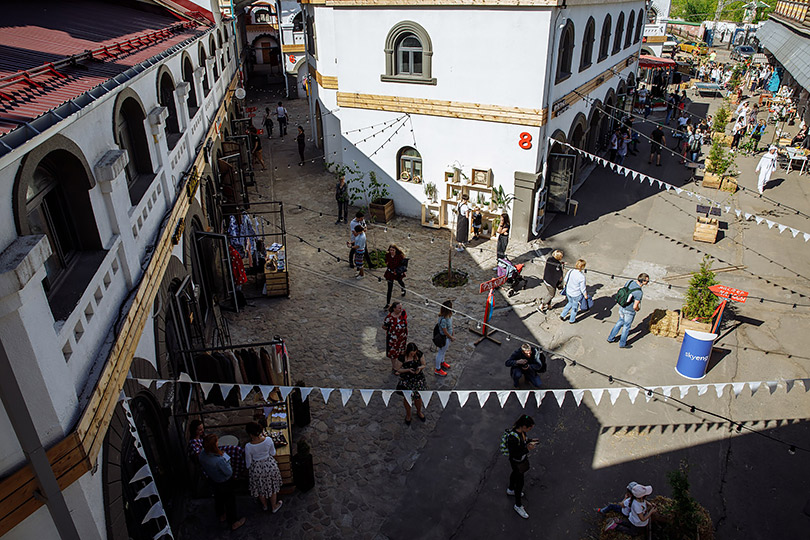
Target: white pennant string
point(142, 473)
point(559, 395)
point(148, 490)
point(678, 190)
point(806, 384)
point(806, 236)
point(305, 391)
point(325, 393)
point(737, 388)
point(738, 212)
point(345, 394)
point(702, 389)
point(144, 382)
point(614, 394)
point(462, 396)
point(483, 396)
point(166, 531)
point(285, 391)
point(184, 378)
point(539, 395)
point(206, 388)
point(758, 219)
point(155, 512)
point(667, 391)
point(159, 384)
point(522, 396)
point(426, 395)
point(596, 394)
point(747, 216)
point(727, 209)
point(668, 186)
point(794, 232)
point(632, 393)
point(226, 389)
point(781, 228)
point(245, 389)
point(503, 395)
point(771, 386)
point(684, 390)
point(386, 396)
point(718, 388)
point(366, 395)
point(444, 397)
point(754, 386)
point(769, 223)
point(408, 397)
point(578, 395)
point(789, 385)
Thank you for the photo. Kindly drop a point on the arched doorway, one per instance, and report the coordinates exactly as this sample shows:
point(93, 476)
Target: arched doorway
point(592, 144)
point(560, 170)
point(188, 77)
point(319, 124)
point(576, 138)
point(166, 99)
point(267, 50)
point(607, 121)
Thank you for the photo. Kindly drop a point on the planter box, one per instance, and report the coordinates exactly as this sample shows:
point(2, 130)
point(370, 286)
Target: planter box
point(686, 324)
point(382, 210)
point(706, 230)
point(711, 180)
point(729, 183)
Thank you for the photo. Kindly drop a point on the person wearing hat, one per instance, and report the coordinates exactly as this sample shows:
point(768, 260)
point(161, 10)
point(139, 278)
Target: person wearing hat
point(624, 506)
point(640, 512)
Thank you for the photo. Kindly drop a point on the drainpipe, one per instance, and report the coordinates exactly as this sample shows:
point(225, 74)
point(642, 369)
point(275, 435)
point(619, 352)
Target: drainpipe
point(281, 46)
point(27, 436)
point(551, 72)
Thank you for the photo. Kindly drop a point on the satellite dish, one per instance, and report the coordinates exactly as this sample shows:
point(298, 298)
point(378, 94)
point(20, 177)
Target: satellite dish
point(240, 93)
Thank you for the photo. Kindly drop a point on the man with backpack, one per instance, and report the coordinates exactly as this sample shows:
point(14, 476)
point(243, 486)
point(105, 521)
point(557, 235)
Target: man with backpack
point(629, 300)
point(527, 362)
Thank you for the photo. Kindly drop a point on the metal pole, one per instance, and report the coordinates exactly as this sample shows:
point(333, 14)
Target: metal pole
point(27, 436)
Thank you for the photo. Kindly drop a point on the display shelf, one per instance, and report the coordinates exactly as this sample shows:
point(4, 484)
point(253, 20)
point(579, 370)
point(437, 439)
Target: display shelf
point(432, 207)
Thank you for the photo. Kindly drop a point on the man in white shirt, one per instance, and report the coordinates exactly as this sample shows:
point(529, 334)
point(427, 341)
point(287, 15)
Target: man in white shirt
point(281, 113)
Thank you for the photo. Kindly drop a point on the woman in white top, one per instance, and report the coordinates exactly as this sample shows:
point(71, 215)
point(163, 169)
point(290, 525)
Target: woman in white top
point(265, 478)
point(574, 290)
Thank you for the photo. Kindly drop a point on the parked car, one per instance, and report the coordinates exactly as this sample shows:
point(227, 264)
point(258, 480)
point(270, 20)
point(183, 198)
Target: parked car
point(670, 43)
point(742, 52)
point(694, 47)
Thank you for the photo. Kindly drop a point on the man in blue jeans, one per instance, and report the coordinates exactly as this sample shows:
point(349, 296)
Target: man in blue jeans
point(628, 313)
point(526, 362)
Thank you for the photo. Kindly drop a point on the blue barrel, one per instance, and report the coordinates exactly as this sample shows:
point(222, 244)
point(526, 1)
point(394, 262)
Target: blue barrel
point(695, 352)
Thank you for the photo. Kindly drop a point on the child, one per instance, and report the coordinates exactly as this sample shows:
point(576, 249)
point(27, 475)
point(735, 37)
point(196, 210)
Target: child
point(476, 223)
point(359, 244)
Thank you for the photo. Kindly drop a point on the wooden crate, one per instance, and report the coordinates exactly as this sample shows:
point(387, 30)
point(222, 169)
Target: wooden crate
point(276, 283)
point(706, 230)
point(382, 212)
point(711, 180)
point(437, 210)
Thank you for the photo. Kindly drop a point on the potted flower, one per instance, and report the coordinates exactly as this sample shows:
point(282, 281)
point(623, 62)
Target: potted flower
point(431, 192)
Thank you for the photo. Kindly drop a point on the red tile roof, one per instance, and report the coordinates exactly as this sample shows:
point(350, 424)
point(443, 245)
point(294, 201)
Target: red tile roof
point(54, 51)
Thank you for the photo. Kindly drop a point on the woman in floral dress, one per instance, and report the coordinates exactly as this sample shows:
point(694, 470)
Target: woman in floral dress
point(265, 477)
point(395, 325)
point(410, 368)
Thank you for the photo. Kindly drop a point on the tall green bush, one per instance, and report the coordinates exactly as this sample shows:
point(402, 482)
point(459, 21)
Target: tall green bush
point(700, 301)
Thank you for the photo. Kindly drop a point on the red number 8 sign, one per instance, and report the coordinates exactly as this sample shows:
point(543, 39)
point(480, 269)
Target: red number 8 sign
point(525, 140)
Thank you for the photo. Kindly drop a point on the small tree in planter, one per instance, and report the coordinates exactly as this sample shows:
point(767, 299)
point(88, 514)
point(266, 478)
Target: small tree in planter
point(720, 169)
point(373, 195)
point(721, 118)
point(700, 301)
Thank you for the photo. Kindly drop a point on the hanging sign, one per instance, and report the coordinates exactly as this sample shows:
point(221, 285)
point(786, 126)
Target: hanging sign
point(250, 109)
point(730, 293)
point(492, 284)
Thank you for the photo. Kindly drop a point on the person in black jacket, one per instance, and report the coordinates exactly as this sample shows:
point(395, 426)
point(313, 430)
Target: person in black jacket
point(342, 198)
point(526, 362)
point(301, 139)
point(552, 279)
point(519, 446)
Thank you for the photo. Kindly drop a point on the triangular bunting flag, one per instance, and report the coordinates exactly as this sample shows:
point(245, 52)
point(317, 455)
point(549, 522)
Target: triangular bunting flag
point(226, 389)
point(596, 394)
point(462, 396)
point(614, 394)
point(689, 193)
point(139, 448)
point(718, 388)
point(772, 386)
point(366, 395)
point(285, 391)
point(142, 473)
point(264, 389)
point(147, 491)
point(781, 227)
point(747, 216)
point(698, 197)
point(325, 392)
point(702, 389)
point(144, 382)
point(650, 178)
point(559, 395)
point(727, 209)
point(426, 395)
point(386, 396)
point(667, 186)
point(754, 386)
point(806, 236)
point(244, 390)
point(636, 175)
point(408, 397)
point(632, 393)
point(345, 394)
point(667, 390)
point(155, 512)
point(166, 531)
point(660, 183)
point(522, 396)
point(806, 384)
point(769, 223)
point(539, 395)
point(578, 396)
point(159, 384)
point(305, 391)
point(503, 395)
point(678, 190)
point(794, 232)
point(184, 378)
point(684, 389)
point(206, 388)
point(444, 397)
point(737, 388)
point(738, 212)
point(483, 396)
point(758, 219)
point(789, 385)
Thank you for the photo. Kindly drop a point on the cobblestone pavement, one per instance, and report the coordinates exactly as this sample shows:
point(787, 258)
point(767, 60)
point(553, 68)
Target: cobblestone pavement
point(331, 324)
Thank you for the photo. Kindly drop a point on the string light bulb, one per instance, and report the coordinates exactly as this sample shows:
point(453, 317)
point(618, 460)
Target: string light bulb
point(792, 450)
point(508, 337)
point(427, 302)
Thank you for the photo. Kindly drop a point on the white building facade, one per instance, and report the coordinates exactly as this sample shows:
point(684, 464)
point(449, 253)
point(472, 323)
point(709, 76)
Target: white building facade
point(91, 191)
point(476, 85)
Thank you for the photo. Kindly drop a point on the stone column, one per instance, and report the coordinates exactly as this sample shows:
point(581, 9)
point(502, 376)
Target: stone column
point(526, 186)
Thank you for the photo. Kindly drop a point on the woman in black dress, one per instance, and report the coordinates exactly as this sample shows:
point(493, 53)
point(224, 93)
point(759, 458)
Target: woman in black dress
point(503, 235)
point(410, 368)
point(463, 224)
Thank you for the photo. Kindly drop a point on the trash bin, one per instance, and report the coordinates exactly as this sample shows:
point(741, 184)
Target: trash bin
point(696, 350)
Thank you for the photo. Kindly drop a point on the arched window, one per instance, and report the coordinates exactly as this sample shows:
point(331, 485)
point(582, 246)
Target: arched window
point(202, 58)
point(639, 26)
point(298, 22)
point(588, 39)
point(652, 15)
point(604, 42)
point(166, 99)
point(261, 16)
point(213, 48)
point(617, 38)
point(188, 76)
point(410, 165)
point(631, 21)
point(130, 135)
point(57, 205)
point(408, 55)
point(565, 55)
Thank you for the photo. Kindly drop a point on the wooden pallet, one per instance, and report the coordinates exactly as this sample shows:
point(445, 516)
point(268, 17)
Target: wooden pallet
point(711, 180)
point(706, 230)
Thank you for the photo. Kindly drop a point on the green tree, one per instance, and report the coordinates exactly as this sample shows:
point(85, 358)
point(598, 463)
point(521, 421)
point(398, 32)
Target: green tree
point(700, 301)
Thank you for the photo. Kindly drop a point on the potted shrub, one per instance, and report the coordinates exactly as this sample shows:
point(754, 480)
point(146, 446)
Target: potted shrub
point(720, 170)
point(374, 195)
point(700, 301)
point(431, 192)
point(501, 201)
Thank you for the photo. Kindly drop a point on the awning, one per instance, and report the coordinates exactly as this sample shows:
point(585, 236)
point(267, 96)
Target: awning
point(648, 61)
point(789, 48)
point(759, 58)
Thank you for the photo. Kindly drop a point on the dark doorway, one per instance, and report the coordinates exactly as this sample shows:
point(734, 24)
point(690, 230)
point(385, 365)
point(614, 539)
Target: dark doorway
point(560, 181)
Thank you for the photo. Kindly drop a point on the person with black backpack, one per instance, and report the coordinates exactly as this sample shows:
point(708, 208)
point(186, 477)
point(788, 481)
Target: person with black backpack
point(517, 447)
point(629, 300)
